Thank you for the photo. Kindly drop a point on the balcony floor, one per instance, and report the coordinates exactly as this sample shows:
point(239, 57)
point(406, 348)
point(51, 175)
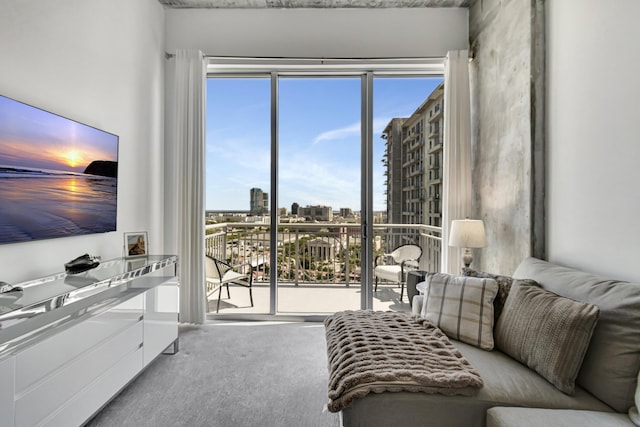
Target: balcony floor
point(316, 298)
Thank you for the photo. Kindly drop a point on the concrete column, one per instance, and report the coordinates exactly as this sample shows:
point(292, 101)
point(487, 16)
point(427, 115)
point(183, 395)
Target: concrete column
point(507, 78)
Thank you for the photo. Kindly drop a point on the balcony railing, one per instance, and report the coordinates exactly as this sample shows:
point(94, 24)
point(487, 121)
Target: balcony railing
point(317, 252)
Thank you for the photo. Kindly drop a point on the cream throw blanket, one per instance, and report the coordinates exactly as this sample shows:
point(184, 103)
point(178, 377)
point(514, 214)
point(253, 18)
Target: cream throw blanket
point(375, 351)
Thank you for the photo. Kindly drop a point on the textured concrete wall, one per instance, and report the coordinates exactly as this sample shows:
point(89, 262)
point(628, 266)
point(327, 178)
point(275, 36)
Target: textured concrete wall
point(500, 33)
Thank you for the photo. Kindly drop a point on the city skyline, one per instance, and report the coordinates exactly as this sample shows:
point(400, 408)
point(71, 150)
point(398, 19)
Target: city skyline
point(319, 138)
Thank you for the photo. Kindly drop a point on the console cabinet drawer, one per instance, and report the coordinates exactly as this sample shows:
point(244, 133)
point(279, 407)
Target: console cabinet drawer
point(51, 392)
point(45, 357)
point(7, 375)
point(83, 405)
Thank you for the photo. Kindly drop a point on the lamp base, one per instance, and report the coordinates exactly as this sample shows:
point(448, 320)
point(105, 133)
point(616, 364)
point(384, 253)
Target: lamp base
point(467, 258)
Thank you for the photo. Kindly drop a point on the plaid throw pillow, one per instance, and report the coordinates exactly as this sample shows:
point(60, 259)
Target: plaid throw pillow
point(504, 286)
point(462, 307)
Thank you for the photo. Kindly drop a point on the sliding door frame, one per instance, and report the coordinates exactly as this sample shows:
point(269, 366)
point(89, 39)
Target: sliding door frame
point(366, 191)
point(366, 70)
point(273, 236)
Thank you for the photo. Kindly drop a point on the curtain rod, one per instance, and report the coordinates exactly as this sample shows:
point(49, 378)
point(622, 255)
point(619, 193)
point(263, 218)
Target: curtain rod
point(309, 58)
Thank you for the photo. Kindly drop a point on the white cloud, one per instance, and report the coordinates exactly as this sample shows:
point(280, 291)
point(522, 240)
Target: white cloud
point(350, 130)
point(307, 181)
point(340, 133)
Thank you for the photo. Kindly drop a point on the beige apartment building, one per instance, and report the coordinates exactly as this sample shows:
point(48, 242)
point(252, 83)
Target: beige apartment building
point(413, 161)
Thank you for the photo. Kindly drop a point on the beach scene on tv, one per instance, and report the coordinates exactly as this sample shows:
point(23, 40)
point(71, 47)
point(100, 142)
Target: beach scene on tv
point(58, 177)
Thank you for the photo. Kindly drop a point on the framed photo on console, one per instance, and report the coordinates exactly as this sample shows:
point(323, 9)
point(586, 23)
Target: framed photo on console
point(135, 244)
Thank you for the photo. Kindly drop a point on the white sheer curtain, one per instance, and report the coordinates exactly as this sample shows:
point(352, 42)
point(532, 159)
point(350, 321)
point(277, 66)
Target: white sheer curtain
point(190, 77)
point(457, 153)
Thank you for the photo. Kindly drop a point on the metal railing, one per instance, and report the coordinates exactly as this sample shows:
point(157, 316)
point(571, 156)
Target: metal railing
point(318, 252)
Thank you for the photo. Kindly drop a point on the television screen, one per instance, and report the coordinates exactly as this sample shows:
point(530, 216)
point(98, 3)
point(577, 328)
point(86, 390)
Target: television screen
point(58, 177)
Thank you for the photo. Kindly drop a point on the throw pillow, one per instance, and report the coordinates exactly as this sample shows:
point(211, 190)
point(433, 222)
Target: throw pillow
point(504, 285)
point(548, 333)
point(462, 307)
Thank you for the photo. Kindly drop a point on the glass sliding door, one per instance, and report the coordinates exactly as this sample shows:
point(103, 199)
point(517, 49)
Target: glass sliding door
point(238, 165)
point(300, 169)
point(319, 194)
point(407, 176)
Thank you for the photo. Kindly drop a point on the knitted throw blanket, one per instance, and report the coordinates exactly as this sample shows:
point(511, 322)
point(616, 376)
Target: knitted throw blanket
point(375, 351)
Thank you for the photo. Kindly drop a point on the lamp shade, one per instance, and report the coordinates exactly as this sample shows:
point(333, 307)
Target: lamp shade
point(467, 233)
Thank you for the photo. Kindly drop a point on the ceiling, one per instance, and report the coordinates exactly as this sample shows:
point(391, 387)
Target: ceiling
point(296, 4)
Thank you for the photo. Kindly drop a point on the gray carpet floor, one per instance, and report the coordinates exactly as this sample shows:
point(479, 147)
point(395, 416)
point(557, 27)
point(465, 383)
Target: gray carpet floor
point(231, 374)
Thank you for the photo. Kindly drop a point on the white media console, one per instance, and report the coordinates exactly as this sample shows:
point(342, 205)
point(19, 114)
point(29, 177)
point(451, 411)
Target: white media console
point(70, 343)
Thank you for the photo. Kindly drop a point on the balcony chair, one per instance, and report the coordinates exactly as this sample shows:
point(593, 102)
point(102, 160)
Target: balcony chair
point(402, 260)
point(220, 274)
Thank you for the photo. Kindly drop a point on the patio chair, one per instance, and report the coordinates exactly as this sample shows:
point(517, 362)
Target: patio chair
point(221, 274)
point(402, 260)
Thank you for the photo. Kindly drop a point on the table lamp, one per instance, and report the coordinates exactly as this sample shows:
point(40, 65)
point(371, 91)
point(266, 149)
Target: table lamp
point(467, 233)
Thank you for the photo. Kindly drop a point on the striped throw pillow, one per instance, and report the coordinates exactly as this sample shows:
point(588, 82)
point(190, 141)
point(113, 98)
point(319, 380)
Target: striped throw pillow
point(547, 332)
point(462, 307)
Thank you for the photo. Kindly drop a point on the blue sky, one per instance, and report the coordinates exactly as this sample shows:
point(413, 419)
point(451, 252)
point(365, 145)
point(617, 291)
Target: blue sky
point(319, 138)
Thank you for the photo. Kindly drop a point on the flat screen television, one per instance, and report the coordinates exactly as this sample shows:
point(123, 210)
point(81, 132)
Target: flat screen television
point(58, 177)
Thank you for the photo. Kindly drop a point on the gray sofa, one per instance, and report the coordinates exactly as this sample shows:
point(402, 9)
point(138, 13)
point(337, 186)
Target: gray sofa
point(515, 395)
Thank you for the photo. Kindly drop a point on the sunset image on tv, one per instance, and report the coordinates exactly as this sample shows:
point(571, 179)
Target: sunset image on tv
point(58, 177)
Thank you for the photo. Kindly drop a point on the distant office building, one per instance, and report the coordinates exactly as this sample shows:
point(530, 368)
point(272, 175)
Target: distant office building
point(258, 219)
point(258, 202)
point(316, 213)
point(346, 212)
point(413, 160)
point(380, 218)
point(294, 208)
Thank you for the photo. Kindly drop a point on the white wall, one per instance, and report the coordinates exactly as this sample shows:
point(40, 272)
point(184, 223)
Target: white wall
point(359, 33)
point(593, 67)
point(99, 62)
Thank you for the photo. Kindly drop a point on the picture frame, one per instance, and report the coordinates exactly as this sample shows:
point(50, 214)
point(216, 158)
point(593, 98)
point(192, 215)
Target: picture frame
point(136, 244)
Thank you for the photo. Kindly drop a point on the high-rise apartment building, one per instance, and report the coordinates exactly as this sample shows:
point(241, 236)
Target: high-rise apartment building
point(435, 156)
point(393, 134)
point(413, 160)
point(258, 202)
point(392, 160)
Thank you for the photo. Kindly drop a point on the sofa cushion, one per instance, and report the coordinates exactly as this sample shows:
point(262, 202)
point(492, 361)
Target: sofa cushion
point(507, 382)
point(462, 307)
point(612, 361)
point(530, 417)
point(633, 412)
point(504, 285)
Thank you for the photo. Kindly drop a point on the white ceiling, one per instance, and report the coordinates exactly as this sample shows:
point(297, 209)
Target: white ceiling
point(286, 4)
